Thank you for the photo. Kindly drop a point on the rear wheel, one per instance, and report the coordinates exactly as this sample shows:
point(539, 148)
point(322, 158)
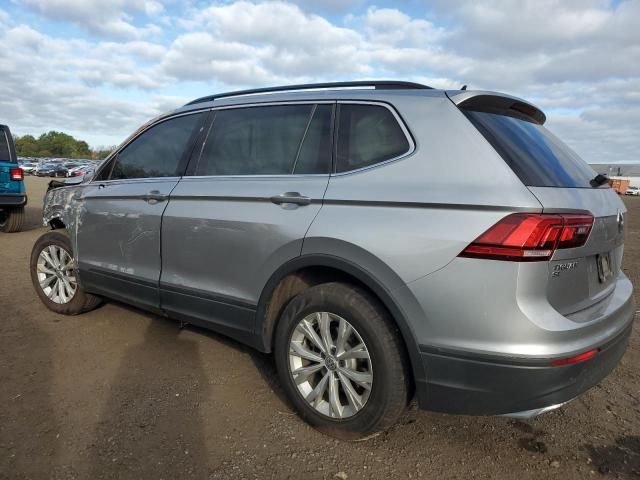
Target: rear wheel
point(53, 275)
point(341, 361)
point(11, 220)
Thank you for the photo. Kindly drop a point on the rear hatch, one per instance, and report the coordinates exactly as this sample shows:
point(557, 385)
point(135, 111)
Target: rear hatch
point(563, 183)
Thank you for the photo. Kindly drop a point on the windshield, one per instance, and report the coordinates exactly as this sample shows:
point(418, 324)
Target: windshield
point(537, 157)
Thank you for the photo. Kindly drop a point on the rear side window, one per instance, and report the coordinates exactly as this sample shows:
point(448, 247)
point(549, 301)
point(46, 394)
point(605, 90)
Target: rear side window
point(156, 152)
point(368, 134)
point(535, 155)
point(270, 140)
point(5, 155)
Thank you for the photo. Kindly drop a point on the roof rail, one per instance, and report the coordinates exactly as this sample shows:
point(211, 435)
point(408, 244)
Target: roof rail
point(377, 84)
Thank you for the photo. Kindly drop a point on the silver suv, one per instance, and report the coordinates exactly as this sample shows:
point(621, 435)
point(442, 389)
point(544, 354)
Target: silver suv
point(382, 239)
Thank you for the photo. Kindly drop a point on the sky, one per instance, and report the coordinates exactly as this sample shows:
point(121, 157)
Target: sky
point(98, 69)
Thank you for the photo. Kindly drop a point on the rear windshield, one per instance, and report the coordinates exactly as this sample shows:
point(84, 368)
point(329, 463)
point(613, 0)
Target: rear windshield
point(536, 156)
point(5, 156)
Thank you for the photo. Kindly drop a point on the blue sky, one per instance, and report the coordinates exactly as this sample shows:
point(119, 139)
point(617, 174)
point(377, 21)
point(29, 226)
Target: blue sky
point(98, 69)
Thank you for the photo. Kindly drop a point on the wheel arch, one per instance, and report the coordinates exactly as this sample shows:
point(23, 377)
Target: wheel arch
point(308, 270)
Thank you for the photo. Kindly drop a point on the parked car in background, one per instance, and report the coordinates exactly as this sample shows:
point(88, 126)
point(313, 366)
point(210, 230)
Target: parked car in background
point(45, 169)
point(381, 239)
point(79, 170)
point(28, 167)
point(13, 196)
point(59, 170)
point(632, 191)
point(51, 170)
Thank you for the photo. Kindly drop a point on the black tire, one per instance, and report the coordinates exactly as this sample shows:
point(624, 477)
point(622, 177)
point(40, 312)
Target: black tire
point(82, 301)
point(11, 220)
point(391, 387)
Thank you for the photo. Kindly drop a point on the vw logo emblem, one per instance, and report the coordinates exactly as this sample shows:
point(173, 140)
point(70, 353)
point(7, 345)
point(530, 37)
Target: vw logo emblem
point(620, 221)
point(330, 363)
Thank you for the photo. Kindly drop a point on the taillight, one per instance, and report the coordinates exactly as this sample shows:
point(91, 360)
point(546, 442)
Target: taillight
point(16, 174)
point(576, 359)
point(526, 237)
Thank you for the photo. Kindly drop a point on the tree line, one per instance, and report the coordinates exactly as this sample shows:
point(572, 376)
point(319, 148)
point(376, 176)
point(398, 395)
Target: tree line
point(57, 144)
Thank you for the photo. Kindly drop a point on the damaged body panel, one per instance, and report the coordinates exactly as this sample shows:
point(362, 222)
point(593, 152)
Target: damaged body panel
point(61, 209)
point(114, 229)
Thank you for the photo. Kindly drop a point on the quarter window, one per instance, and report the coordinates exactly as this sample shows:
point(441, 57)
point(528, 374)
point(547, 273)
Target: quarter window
point(368, 134)
point(270, 140)
point(156, 152)
point(538, 158)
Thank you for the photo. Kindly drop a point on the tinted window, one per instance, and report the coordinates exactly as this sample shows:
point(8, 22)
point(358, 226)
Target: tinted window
point(368, 134)
point(536, 156)
point(315, 152)
point(268, 141)
point(158, 151)
point(5, 156)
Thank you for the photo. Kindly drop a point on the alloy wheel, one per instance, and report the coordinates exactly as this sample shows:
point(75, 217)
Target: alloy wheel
point(330, 365)
point(55, 270)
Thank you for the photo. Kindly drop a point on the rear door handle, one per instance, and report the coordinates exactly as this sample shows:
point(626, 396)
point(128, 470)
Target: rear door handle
point(153, 197)
point(291, 197)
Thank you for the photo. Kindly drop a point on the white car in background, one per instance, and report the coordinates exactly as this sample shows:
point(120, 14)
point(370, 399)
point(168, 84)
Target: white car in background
point(633, 191)
point(28, 167)
point(76, 171)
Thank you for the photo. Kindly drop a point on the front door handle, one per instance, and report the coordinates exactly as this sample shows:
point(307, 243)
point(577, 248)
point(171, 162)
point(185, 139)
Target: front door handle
point(291, 197)
point(154, 196)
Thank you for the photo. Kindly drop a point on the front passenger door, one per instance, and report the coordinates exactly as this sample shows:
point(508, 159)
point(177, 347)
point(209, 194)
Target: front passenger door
point(118, 233)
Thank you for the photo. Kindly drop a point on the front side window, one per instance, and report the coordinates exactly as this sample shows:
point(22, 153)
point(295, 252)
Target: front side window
point(156, 152)
point(368, 134)
point(269, 140)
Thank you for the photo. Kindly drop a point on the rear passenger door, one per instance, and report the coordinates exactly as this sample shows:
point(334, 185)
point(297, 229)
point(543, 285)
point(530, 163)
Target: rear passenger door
point(252, 195)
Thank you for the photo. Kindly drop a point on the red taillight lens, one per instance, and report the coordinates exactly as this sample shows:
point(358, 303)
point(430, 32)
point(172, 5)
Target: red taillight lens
point(525, 237)
point(16, 174)
point(576, 230)
point(578, 358)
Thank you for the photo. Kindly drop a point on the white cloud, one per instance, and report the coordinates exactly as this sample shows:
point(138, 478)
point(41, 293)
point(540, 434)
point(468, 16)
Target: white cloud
point(578, 59)
point(387, 26)
point(328, 6)
point(49, 83)
point(109, 18)
point(255, 44)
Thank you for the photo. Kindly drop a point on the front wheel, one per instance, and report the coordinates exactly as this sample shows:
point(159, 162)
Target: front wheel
point(341, 361)
point(11, 220)
point(53, 275)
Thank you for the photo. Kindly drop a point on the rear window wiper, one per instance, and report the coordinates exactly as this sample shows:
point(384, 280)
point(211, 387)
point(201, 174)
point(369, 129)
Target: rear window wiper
point(599, 180)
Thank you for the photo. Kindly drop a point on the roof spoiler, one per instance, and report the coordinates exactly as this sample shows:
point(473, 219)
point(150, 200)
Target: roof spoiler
point(492, 102)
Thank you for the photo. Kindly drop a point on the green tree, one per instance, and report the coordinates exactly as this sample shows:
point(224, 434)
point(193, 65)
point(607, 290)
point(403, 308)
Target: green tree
point(53, 144)
point(27, 146)
point(102, 153)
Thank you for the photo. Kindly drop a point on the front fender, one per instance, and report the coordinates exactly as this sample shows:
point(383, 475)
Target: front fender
point(63, 204)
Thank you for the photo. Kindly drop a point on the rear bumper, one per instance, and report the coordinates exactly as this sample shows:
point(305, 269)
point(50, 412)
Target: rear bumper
point(468, 384)
point(11, 201)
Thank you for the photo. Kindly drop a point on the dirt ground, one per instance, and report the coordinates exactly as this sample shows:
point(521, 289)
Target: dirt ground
point(119, 393)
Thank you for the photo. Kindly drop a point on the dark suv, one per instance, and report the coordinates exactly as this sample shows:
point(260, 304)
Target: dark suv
point(13, 196)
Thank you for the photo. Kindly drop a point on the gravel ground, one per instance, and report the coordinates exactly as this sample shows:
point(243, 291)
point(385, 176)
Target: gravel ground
point(119, 393)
